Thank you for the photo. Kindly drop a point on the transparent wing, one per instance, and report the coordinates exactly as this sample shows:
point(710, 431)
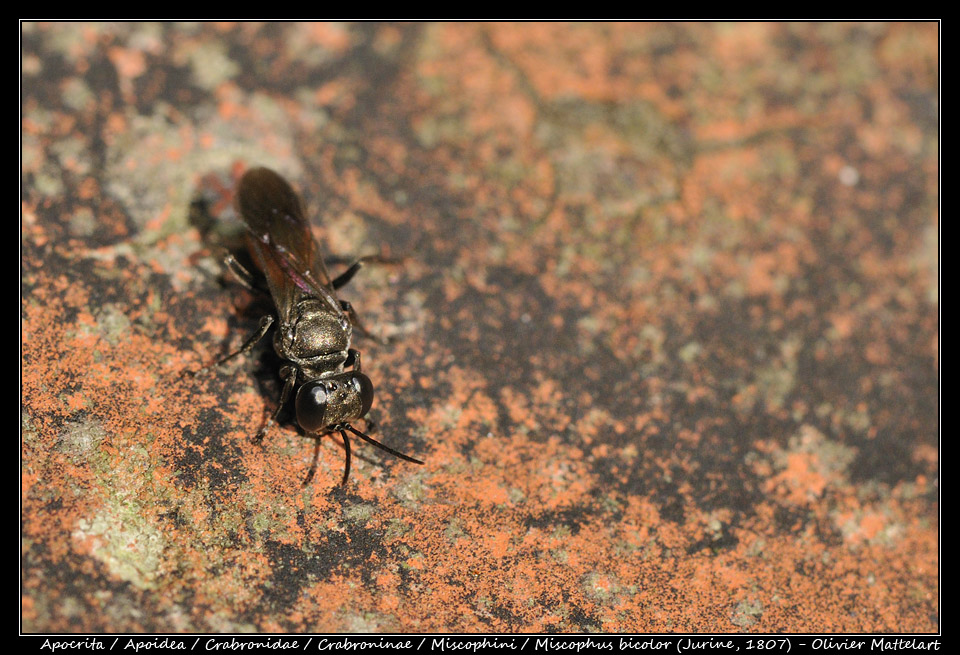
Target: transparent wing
point(281, 242)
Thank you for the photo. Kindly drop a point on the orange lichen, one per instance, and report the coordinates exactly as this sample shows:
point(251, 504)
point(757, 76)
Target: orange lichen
point(669, 360)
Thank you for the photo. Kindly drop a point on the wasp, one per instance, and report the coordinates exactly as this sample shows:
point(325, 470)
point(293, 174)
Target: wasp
point(313, 328)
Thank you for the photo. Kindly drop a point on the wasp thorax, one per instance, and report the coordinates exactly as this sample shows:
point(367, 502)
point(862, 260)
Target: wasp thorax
point(316, 331)
point(333, 400)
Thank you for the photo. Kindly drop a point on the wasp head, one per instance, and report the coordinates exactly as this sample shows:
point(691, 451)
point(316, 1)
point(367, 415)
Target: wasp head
point(333, 400)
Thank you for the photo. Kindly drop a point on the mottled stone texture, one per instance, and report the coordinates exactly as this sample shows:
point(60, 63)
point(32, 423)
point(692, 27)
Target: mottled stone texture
point(664, 327)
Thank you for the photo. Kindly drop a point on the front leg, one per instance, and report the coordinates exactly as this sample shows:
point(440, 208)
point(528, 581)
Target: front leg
point(316, 455)
point(289, 375)
point(353, 359)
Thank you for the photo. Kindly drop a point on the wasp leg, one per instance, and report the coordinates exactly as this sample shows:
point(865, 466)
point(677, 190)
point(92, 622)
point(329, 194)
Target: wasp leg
point(316, 455)
point(247, 279)
point(348, 274)
point(242, 275)
point(289, 375)
point(358, 325)
point(353, 359)
point(265, 324)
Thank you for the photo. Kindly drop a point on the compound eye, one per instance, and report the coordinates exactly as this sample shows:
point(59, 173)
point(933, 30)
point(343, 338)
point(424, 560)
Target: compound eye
point(364, 387)
point(312, 406)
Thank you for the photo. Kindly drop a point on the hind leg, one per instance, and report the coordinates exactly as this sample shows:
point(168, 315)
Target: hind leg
point(348, 274)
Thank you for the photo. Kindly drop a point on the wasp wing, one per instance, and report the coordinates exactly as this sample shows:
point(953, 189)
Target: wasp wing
point(281, 242)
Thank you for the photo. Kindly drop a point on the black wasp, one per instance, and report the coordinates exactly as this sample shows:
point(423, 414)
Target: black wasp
point(313, 326)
